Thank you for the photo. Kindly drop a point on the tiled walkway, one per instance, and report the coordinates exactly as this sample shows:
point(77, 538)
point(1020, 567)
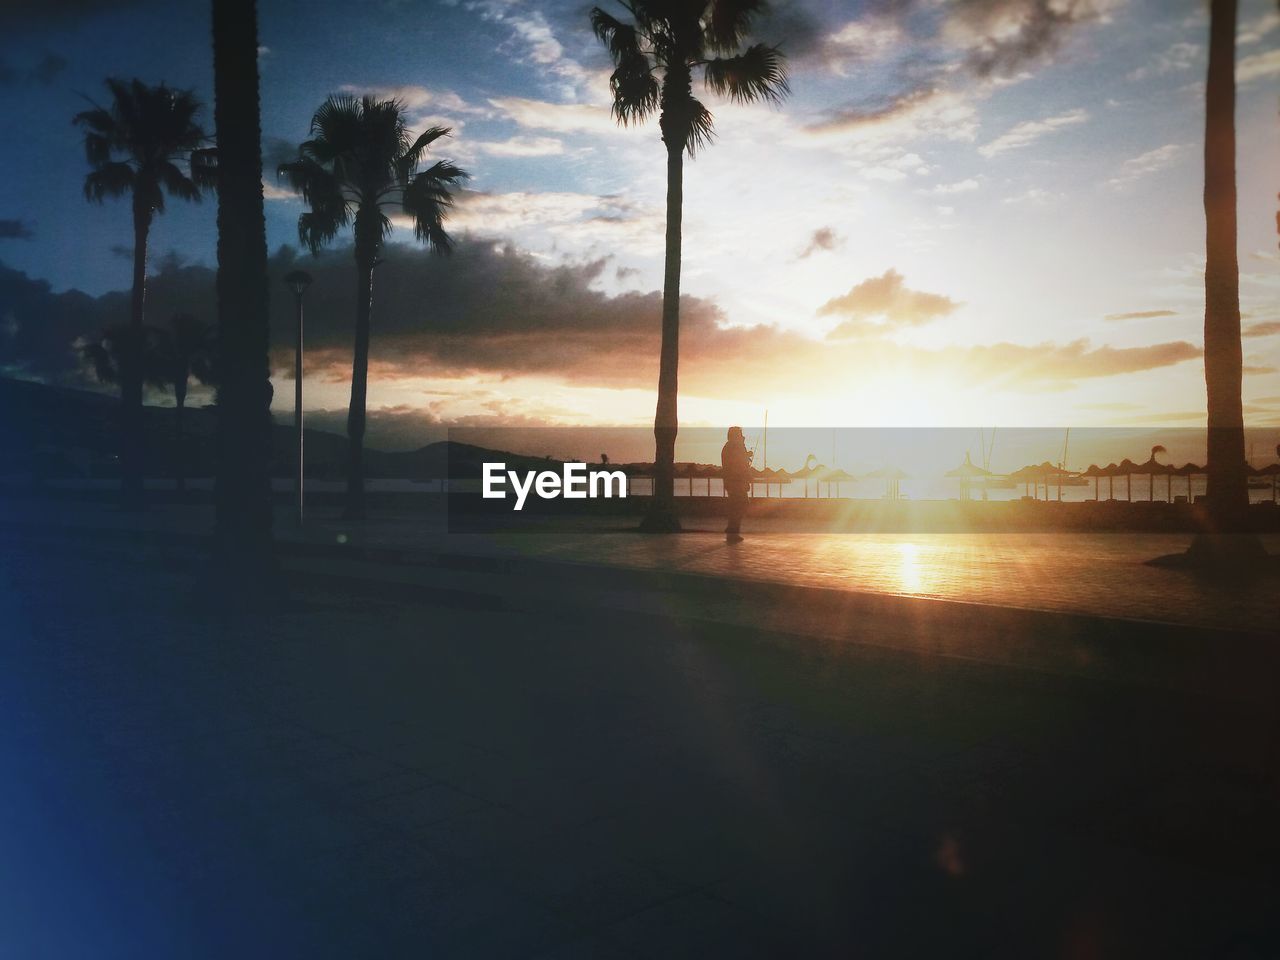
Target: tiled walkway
point(1098, 574)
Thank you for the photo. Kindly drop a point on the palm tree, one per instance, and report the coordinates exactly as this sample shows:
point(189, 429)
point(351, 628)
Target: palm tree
point(360, 160)
point(1223, 356)
point(656, 56)
point(112, 353)
point(242, 493)
point(122, 354)
point(187, 350)
point(145, 145)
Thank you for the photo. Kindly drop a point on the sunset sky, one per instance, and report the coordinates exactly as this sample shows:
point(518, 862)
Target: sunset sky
point(983, 212)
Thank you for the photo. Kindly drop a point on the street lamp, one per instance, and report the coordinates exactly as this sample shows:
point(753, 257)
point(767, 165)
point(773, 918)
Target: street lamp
point(298, 281)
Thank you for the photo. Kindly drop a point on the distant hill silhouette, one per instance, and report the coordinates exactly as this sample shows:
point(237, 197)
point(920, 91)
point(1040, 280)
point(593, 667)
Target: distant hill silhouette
point(63, 432)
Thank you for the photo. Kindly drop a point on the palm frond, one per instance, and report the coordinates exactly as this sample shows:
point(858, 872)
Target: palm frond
point(176, 183)
point(728, 22)
point(111, 179)
point(409, 160)
point(315, 229)
point(204, 167)
point(621, 39)
point(700, 127)
point(757, 74)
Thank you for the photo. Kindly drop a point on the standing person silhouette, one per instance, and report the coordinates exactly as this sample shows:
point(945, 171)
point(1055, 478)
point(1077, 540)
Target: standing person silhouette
point(735, 464)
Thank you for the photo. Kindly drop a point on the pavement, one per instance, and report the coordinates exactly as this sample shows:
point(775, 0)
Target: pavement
point(497, 748)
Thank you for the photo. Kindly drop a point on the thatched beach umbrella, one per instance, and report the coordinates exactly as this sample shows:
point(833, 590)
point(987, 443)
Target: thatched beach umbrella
point(1153, 468)
point(1027, 476)
point(769, 476)
point(892, 477)
point(966, 473)
point(830, 475)
point(810, 468)
point(1187, 471)
point(1127, 468)
point(1097, 473)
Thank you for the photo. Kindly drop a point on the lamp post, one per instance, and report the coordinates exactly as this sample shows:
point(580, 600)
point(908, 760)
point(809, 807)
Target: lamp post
point(298, 281)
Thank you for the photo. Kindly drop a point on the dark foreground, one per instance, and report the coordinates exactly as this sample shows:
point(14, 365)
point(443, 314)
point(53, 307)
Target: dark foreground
point(357, 777)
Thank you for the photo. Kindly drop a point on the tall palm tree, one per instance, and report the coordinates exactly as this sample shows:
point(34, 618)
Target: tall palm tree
point(360, 160)
point(1228, 493)
point(145, 145)
point(187, 350)
point(242, 493)
point(656, 57)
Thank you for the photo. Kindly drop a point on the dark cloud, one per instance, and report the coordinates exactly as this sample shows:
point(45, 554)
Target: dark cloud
point(16, 230)
point(938, 46)
point(47, 70)
point(19, 15)
point(824, 238)
point(1004, 36)
point(43, 73)
point(275, 151)
point(493, 312)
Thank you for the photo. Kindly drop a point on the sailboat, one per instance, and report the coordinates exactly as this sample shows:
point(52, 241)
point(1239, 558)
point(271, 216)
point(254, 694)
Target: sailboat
point(987, 445)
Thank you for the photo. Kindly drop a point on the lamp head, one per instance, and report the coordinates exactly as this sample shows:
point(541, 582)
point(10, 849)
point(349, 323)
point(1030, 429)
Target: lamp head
point(298, 281)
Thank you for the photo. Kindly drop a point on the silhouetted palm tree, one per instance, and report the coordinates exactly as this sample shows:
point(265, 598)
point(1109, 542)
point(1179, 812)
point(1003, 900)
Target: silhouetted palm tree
point(1228, 493)
point(242, 492)
point(187, 350)
point(656, 57)
point(145, 144)
point(112, 355)
point(361, 159)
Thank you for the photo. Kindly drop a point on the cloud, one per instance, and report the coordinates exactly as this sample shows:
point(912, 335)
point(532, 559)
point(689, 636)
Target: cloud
point(960, 186)
point(822, 239)
point(1109, 407)
point(46, 70)
point(1257, 66)
point(1028, 132)
point(1032, 197)
point(1000, 37)
point(1257, 28)
point(1146, 164)
point(928, 111)
point(860, 42)
point(20, 15)
point(1139, 315)
point(533, 40)
point(555, 117)
point(615, 221)
point(491, 311)
point(16, 230)
point(1179, 57)
point(1267, 328)
point(520, 147)
point(883, 303)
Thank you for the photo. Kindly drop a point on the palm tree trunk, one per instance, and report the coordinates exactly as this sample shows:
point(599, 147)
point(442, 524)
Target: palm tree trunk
point(1228, 491)
point(243, 485)
point(662, 514)
point(131, 446)
point(355, 509)
point(179, 440)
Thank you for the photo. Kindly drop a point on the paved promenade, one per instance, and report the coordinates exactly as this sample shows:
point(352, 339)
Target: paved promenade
point(1094, 574)
point(441, 772)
